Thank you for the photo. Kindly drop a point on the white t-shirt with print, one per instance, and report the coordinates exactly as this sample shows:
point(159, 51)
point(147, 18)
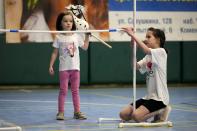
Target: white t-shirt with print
point(155, 66)
point(65, 44)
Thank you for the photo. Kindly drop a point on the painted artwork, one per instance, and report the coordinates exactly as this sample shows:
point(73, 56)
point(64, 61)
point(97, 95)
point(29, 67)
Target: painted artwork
point(42, 15)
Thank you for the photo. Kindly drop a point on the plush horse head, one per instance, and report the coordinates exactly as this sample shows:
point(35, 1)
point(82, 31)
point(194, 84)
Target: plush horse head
point(77, 11)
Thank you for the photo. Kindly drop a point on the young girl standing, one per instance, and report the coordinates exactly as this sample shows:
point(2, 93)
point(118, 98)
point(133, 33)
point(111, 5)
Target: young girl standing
point(155, 66)
point(69, 66)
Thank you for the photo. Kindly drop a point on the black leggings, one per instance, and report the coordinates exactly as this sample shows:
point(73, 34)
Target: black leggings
point(151, 105)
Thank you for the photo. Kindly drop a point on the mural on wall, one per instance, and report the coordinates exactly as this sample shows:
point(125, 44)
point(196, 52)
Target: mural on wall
point(42, 14)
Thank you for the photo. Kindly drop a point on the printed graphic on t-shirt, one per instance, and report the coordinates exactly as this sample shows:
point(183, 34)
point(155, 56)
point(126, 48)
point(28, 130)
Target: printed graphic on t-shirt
point(149, 65)
point(150, 72)
point(69, 50)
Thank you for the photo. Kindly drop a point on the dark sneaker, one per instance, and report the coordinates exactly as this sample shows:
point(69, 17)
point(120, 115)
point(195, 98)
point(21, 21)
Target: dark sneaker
point(79, 115)
point(60, 116)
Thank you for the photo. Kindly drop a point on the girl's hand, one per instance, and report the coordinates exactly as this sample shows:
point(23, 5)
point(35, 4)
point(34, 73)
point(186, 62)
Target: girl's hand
point(129, 30)
point(88, 34)
point(51, 71)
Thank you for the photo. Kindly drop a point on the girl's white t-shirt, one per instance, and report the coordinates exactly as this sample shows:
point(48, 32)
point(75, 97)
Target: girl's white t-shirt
point(66, 43)
point(155, 66)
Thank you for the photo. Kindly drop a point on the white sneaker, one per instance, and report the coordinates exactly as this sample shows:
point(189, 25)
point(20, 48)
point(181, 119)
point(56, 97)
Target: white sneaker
point(163, 116)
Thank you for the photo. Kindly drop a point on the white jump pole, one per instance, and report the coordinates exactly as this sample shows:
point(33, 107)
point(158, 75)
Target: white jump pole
point(16, 128)
point(134, 57)
point(54, 31)
point(134, 69)
point(100, 120)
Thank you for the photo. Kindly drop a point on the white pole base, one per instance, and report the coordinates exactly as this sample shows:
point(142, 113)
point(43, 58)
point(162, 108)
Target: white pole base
point(108, 120)
point(146, 124)
point(16, 128)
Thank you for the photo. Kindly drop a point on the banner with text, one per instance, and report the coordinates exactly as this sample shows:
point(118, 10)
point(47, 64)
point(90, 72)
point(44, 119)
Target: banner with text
point(178, 18)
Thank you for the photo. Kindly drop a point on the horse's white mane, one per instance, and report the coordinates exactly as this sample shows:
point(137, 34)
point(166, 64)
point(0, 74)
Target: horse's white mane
point(81, 24)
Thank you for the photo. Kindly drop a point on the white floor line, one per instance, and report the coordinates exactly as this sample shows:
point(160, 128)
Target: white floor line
point(39, 101)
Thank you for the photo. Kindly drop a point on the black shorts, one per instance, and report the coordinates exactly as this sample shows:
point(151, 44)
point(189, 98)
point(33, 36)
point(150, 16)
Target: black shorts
point(151, 105)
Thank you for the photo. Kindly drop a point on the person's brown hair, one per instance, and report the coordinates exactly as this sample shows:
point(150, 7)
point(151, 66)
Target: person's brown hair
point(158, 33)
point(59, 21)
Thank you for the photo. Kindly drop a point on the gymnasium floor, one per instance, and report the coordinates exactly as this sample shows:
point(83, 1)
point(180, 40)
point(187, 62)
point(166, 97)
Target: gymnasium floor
point(35, 109)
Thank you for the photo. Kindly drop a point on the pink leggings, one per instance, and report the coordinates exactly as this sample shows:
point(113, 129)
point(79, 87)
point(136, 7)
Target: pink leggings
point(74, 77)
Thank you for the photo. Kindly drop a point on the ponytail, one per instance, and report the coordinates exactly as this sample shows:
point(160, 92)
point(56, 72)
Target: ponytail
point(158, 33)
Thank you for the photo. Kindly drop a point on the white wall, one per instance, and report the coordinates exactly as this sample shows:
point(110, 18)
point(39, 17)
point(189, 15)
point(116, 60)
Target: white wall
point(1, 14)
